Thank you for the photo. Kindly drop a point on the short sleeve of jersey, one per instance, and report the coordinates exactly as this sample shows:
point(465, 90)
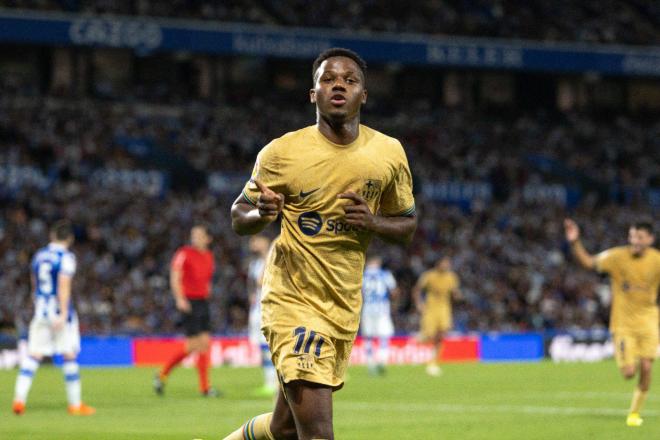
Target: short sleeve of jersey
point(605, 261)
point(398, 197)
point(268, 170)
point(178, 260)
point(68, 264)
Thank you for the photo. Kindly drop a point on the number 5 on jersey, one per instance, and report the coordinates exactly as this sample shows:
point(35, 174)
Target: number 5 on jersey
point(307, 339)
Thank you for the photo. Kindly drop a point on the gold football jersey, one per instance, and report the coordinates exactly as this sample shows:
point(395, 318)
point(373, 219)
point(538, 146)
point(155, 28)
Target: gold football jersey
point(438, 286)
point(314, 270)
point(635, 282)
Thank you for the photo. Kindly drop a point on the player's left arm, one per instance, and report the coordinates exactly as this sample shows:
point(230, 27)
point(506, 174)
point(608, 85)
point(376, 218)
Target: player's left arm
point(64, 282)
point(395, 220)
point(395, 229)
point(392, 286)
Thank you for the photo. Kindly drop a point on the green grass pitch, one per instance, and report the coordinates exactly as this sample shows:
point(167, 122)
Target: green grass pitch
point(469, 401)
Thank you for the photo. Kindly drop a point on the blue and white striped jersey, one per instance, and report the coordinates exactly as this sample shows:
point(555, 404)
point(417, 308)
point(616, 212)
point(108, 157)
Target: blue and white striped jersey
point(47, 264)
point(255, 274)
point(377, 285)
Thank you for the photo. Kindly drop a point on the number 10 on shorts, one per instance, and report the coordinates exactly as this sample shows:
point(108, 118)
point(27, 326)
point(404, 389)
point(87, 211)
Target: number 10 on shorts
point(307, 339)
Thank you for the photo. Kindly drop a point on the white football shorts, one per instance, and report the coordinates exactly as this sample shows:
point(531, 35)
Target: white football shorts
point(45, 341)
point(376, 325)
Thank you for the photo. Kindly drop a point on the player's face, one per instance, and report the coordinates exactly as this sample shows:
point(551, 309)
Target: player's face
point(639, 240)
point(339, 89)
point(259, 245)
point(375, 261)
point(444, 264)
point(68, 242)
point(199, 237)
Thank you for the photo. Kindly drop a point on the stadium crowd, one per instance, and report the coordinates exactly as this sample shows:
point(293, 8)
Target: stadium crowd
point(508, 250)
point(607, 21)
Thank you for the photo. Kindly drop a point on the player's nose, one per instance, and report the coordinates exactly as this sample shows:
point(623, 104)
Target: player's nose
point(338, 86)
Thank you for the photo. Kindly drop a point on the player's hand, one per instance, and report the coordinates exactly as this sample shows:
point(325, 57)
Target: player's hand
point(572, 230)
point(59, 322)
point(270, 203)
point(183, 305)
point(357, 213)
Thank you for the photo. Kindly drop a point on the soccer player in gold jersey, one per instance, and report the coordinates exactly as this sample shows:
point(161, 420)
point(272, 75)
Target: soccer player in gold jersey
point(634, 272)
point(441, 285)
point(335, 184)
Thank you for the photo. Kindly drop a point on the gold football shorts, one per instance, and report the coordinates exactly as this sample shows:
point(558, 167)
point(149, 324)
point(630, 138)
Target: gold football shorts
point(435, 321)
point(629, 346)
point(301, 353)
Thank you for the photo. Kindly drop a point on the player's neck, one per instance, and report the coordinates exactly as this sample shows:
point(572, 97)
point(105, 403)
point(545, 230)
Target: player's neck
point(342, 132)
point(637, 254)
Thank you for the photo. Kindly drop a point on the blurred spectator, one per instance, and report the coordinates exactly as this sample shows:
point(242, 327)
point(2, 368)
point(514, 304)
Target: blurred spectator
point(508, 251)
point(606, 21)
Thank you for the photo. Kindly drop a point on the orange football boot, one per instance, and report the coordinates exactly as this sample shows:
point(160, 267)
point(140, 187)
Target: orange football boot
point(18, 407)
point(81, 410)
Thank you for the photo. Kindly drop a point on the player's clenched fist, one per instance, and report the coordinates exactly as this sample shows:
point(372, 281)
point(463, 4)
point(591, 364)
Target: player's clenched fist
point(357, 213)
point(270, 203)
point(572, 230)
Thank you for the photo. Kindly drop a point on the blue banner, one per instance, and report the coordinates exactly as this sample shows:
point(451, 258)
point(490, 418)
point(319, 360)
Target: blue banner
point(504, 347)
point(149, 182)
point(106, 351)
point(458, 191)
point(226, 183)
point(145, 35)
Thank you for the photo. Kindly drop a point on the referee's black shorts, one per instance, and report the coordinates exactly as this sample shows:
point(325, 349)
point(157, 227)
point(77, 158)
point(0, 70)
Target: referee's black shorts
point(198, 320)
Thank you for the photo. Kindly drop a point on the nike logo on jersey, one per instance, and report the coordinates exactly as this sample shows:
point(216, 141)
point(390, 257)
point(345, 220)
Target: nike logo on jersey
point(305, 194)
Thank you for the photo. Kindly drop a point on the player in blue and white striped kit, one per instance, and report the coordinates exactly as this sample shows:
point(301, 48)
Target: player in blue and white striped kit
point(378, 286)
point(259, 247)
point(54, 327)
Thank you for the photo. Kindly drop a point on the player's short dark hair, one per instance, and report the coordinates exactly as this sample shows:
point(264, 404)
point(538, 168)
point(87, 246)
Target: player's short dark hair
point(62, 230)
point(339, 52)
point(204, 226)
point(646, 226)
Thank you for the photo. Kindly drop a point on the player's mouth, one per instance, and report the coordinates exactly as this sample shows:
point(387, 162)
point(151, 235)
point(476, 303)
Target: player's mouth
point(338, 100)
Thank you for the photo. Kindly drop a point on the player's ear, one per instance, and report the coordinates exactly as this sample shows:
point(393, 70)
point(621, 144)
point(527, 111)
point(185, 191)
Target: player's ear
point(364, 96)
point(312, 96)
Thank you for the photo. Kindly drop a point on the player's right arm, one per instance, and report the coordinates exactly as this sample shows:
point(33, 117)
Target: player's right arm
point(176, 282)
point(248, 219)
point(583, 257)
point(417, 293)
point(456, 293)
point(261, 200)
